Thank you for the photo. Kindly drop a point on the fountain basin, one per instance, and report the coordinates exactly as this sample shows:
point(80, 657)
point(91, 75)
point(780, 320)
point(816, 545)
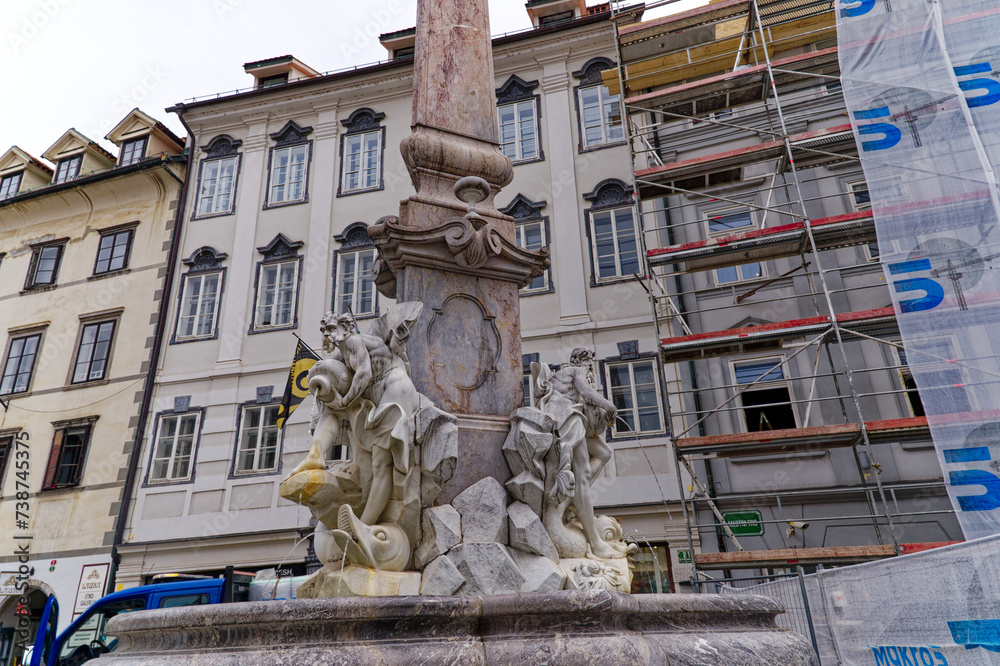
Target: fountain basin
point(556, 629)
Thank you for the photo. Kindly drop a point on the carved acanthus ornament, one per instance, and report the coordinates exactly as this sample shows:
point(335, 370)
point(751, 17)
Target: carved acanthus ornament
point(473, 244)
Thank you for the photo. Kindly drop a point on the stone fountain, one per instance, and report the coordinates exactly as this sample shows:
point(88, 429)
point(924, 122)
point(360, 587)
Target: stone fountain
point(462, 530)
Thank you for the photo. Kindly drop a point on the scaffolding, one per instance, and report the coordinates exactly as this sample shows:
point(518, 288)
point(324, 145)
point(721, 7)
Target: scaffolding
point(752, 205)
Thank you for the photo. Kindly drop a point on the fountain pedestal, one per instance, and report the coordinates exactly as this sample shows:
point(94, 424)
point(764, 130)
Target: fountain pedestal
point(556, 629)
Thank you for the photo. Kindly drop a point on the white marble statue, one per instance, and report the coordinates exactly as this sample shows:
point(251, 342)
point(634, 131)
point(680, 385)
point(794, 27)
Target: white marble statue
point(403, 449)
point(580, 415)
point(365, 381)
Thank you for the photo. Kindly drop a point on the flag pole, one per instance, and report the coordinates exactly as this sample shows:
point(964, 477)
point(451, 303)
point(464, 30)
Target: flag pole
point(306, 345)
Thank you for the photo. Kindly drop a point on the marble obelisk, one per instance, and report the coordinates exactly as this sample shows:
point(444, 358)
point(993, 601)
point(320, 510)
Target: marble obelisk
point(450, 248)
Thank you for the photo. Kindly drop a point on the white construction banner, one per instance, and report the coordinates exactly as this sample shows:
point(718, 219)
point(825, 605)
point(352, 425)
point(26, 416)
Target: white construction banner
point(935, 608)
point(922, 90)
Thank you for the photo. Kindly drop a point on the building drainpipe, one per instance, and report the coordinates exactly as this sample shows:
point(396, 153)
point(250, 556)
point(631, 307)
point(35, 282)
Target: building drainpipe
point(154, 359)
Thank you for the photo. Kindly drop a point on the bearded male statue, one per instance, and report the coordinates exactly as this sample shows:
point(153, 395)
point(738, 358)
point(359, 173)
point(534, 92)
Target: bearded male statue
point(365, 382)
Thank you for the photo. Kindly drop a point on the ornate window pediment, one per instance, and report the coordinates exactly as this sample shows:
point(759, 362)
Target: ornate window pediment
point(522, 207)
point(515, 89)
point(222, 146)
point(205, 258)
point(590, 73)
point(291, 133)
point(363, 120)
point(609, 193)
point(280, 247)
point(355, 235)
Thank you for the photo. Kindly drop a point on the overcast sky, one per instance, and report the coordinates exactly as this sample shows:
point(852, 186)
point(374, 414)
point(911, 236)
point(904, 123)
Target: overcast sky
point(87, 63)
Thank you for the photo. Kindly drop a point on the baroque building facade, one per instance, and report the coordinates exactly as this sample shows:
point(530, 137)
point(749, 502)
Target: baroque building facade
point(85, 242)
point(285, 179)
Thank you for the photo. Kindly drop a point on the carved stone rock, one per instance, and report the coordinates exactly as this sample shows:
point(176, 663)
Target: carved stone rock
point(437, 435)
point(540, 573)
point(441, 578)
point(487, 568)
point(483, 507)
point(333, 580)
point(442, 528)
point(525, 449)
point(527, 532)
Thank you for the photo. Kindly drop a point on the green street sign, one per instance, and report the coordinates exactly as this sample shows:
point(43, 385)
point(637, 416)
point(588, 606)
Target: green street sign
point(744, 523)
point(684, 557)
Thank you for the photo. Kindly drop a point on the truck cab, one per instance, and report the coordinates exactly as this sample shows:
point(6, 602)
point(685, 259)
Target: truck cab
point(85, 638)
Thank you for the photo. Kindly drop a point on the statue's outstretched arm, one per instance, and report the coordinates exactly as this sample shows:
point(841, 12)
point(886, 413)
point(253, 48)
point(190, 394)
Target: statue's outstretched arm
point(590, 395)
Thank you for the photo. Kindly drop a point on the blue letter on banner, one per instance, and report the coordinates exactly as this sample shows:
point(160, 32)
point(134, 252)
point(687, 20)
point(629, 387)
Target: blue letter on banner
point(891, 132)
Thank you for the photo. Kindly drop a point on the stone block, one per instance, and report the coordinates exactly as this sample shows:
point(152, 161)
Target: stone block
point(527, 533)
point(540, 573)
point(442, 529)
point(529, 440)
point(437, 435)
point(483, 507)
point(487, 568)
point(441, 578)
point(527, 488)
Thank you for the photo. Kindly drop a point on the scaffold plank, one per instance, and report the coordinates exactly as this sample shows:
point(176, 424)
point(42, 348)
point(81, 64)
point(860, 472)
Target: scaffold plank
point(780, 557)
point(878, 322)
point(770, 243)
point(813, 438)
point(805, 63)
point(804, 151)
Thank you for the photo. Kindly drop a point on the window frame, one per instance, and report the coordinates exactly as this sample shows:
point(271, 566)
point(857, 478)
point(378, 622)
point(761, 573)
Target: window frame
point(5, 183)
point(112, 233)
point(7, 452)
point(612, 195)
point(11, 339)
point(142, 141)
point(73, 164)
point(708, 216)
point(354, 239)
point(36, 256)
point(220, 148)
point(86, 323)
point(291, 136)
point(278, 251)
point(202, 262)
point(513, 92)
point(241, 415)
point(785, 382)
point(362, 122)
point(199, 414)
point(590, 77)
point(852, 187)
point(525, 211)
point(63, 429)
point(605, 370)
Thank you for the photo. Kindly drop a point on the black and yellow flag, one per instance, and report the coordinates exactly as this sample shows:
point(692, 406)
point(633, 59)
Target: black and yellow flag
point(297, 387)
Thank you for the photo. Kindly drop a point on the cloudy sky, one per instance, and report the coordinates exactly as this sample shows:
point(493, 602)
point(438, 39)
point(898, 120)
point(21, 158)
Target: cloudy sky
point(86, 63)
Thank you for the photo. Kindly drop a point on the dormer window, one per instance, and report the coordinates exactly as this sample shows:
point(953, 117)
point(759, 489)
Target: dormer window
point(9, 185)
point(133, 151)
point(68, 169)
point(271, 81)
point(407, 52)
point(551, 19)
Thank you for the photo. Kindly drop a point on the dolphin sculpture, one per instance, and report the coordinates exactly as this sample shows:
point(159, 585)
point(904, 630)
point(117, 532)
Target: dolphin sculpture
point(384, 547)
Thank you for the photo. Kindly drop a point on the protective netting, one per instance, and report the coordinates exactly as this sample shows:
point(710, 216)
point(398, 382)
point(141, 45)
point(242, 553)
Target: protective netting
point(921, 87)
point(937, 607)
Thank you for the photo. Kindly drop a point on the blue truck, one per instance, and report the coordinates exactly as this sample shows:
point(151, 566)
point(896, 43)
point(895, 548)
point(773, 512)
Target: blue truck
point(85, 639)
